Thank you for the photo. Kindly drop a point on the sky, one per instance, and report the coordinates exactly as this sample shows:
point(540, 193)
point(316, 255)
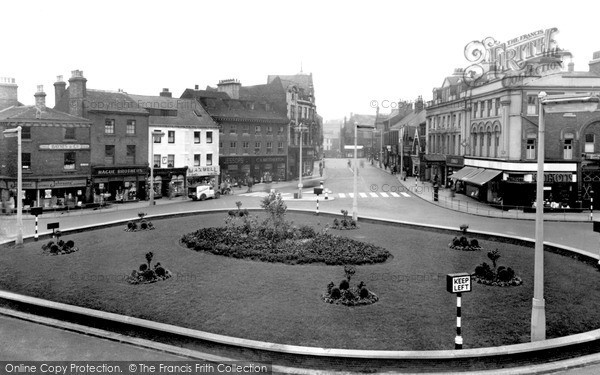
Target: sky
point(360, 53)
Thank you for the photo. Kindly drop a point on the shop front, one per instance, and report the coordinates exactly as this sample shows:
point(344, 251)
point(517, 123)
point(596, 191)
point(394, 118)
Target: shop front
point(308, 160)
point(435, 167)
point(418, 169)
point(49, 192)
point(170, 182)
point(453, 164)
point(119, 184)
point(203, 175)
point(260, 168)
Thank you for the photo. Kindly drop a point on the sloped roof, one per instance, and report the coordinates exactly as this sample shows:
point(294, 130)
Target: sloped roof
point(273, 93)
point(412, 119)
point(189, 112)
point(565, 79)
point(103, 101)
point(31, 113)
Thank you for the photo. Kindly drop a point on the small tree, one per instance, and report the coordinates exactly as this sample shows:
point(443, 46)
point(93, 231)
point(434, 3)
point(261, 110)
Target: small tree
point(494, 256)
point(149, 256)
point(349, 271)
point(275, 207)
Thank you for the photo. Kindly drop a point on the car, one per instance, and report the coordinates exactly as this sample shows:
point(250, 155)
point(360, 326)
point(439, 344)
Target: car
point(202, 192)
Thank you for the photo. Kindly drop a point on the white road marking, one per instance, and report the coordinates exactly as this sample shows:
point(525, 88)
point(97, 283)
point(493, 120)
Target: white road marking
point(405, 194)
point(363, 195)
point(384, 195)
point(374, 195)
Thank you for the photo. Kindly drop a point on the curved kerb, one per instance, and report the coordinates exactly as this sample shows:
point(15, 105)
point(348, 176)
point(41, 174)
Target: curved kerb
point(329, 359)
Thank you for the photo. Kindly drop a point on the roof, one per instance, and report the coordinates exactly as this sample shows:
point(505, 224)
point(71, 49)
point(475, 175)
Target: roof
point(412, 119)
point(103, 101)
point(189, 112)
point(565, 79)
point(272, 92)
point(303, 81)
point(362, 119)
point(31, 113)
point(434, 157)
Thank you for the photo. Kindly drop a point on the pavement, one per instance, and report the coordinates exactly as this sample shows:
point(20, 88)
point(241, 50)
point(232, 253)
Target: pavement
point(25, 333)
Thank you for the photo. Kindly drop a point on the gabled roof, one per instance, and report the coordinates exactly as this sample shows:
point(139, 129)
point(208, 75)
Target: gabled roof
point(31, 113)
point(209, 93)
point(189, 112)
point(412, 120)
point(273, 93)
point(103, 101)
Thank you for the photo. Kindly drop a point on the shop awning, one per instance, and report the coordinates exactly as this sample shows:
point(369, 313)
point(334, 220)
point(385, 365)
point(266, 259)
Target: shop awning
point(484, 176)
point(463, 172)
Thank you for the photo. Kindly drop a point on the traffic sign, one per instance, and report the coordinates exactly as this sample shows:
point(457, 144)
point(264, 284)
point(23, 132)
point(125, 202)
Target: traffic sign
point(458, 282)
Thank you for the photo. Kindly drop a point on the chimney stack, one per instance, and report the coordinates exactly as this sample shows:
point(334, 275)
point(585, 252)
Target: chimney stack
point(419, 104)
point(77, 93)
point(595, 63)
point(8, 93)
point(165, 93)
point(60, 87)
point(196, 87)
point(40, 97)
point(231, 87)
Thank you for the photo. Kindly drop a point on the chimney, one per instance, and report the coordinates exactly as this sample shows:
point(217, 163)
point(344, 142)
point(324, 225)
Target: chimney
point(165, 93)
point(60, 87)
point(196, 87)
point(77, 93)
point(595, 63)
point(8, 93)
point(40, 97)
point(419, 104)
point(231, 87)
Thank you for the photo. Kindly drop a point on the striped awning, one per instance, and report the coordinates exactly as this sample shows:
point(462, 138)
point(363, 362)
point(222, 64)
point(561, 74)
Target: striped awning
point(466, 171)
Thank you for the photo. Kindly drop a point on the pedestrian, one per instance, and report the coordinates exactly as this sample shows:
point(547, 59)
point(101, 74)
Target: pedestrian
point(249, 182)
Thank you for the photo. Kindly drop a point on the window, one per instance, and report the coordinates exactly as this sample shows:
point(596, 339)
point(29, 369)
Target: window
point(26, 159)
point(26, 132)
point(130, 127)
point(233, 144)
point(269, 129)
point(245, 129)
point(130, 159)
point(196, 160)
point(497, 107)
point(196, 137)
point(109, 126)
point(532, 105)
point(568, 149)
point(157, 139)
point(269, 147)
point(208, 159)
point(489, 107)
point(257, 129)
point(256, 147)
point(69, 133)
point(209, 137)
point(232, 129)
point(70, 160)
point(489, 144)
point(481, 108)
point(280, 147)
point(530, 149)
point(280, 130)
point(497, 142)
point(109, 154)
point(170, 160)
point(589, 143)
point(246, 146)
point(171, 135)
point(156, 160)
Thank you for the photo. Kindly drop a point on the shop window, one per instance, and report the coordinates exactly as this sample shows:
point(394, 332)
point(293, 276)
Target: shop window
point(109, 126)
point(130, 159)
point(26, 160)
point(196, 137)
point(568, 149)
point(530, 149)
point(209, 137)
point(26, 132)
point(69, 160)
point(109, 154)
point(589, 143)
point(196, 160)
point(69, 133)
point(208, 159)
point(170, 160)
point(130, 127)
point(171, 134)
point(532, 105)
point(156, 160)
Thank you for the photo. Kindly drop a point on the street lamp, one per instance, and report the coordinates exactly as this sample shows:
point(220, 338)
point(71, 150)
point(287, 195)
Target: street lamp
point(156, 136)
point(12, 133)
point(300, 127)
point(355, 199)
point(553, 104)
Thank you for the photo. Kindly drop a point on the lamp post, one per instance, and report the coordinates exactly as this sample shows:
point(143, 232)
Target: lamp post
point(355, 198)
point(11, 133)
point(156, 134)
point(553, 104)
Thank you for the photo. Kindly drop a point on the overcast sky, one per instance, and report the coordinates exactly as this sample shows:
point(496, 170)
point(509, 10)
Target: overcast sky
point(358, 52)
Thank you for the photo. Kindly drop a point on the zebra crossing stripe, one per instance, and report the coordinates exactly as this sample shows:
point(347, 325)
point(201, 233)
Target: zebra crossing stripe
point(351, 195)
point(384, 195)
point(405, 194)
point(395, 195)
point(374, 195)
point(363, 195)
point(342, 195)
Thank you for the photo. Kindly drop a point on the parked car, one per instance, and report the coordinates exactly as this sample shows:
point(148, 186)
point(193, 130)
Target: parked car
point(202, 192)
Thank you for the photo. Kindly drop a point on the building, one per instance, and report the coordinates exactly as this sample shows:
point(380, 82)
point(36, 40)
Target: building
point(119, 138)
point(487, 136)
point(366, 140)
point(253, 135)
point(188, 153)
point(55, 153)
point(331, 138)
point(405, 145)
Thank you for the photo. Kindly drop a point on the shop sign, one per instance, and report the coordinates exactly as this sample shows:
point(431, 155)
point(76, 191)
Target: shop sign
point(56, 184)
point(119, 171)
point(555, 177)
point(270, 159)
point(592, 156)
point(455, 161)
point(65, 146)
point(210, 170)
point(234, 160)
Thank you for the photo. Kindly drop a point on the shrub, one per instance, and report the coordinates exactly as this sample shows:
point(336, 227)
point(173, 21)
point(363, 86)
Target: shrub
point(160, 271)
point(511, 273)
point(144, 225)
point(364, 293)
point(344, 285)
point(131, 225)
point(464, 241)
point(352, 223)
point(54, 249)
point(349, 295)
point(49, 244)
point(330, 287)
point(231, 213)
point(455, 242)
point(143, 267)
point(61, 243)
point(307, 231)
point(70, 244)
point(246, 212)
point(361, 285)
point(336, 293)
point(148, 275)
point(504, 275)
point(474, 243)
point(349, 271)
point(336, 223)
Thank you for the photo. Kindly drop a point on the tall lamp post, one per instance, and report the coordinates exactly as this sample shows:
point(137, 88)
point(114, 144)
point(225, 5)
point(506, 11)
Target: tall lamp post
point(12, 133)
point(355, 198)
point(552, 104)
point(156, 135)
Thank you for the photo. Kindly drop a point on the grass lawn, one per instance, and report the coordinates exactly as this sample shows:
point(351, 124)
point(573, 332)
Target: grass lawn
point(281, 303)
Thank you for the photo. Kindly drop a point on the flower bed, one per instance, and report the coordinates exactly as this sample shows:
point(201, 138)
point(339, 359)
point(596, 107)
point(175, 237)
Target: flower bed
point(146, 274)
point(464, 244)
point(59, 248)
point(495, 276)
point(349, 296)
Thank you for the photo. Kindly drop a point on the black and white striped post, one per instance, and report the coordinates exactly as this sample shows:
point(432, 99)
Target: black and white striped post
point(36, 211)
point(592, 205)
point(458, 283)
point(318, 191)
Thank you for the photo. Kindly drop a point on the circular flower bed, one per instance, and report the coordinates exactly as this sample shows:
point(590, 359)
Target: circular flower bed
point(133, 226)
point(464, 244)
point(500, 276)
point(146, 275)
point(59, 248)
point(349, 296)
